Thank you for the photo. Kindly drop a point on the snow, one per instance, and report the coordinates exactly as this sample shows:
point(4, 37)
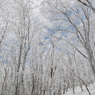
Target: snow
point(79, 92)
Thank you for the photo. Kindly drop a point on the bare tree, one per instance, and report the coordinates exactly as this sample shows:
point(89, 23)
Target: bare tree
point(87, 3)
point(76, 20)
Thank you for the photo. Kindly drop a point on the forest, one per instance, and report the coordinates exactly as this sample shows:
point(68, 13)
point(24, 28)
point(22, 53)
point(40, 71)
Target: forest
point(47, 47)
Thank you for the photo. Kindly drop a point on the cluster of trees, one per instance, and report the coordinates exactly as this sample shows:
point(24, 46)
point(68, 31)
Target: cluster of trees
point(46, 58)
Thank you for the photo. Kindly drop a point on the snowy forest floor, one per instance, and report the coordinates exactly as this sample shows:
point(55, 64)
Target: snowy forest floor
point(84, 92)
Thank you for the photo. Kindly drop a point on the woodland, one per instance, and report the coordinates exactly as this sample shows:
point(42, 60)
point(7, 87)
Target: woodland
point(47, 47)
